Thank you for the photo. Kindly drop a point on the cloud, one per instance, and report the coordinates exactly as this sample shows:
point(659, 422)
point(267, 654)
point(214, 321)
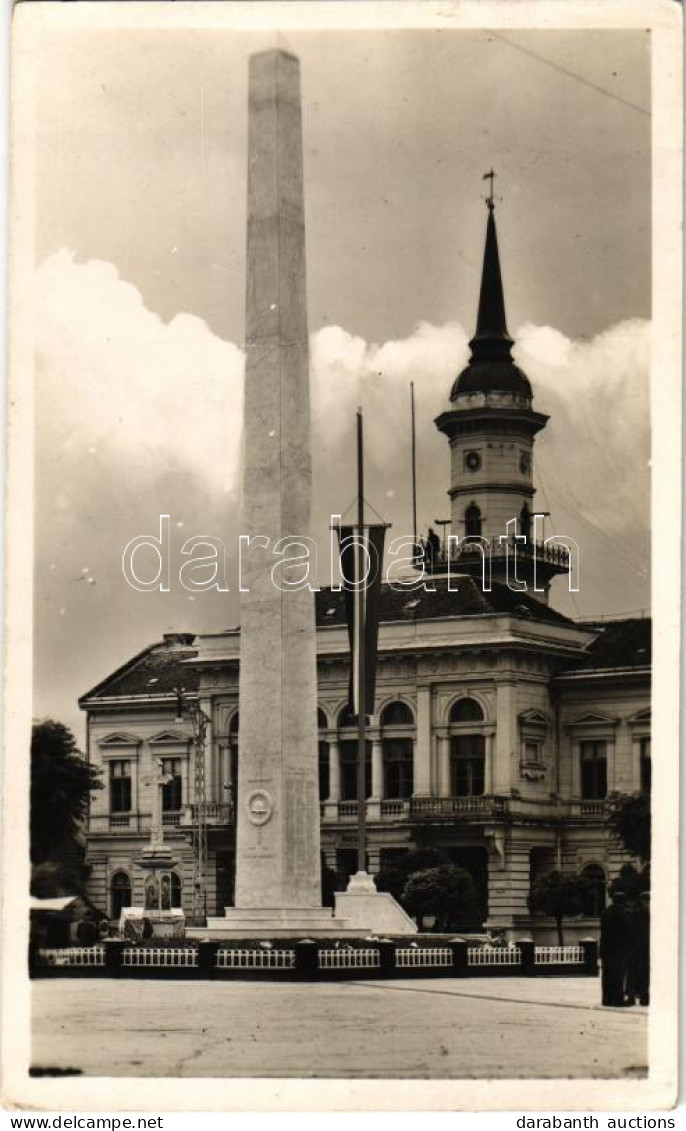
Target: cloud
point(137, 417)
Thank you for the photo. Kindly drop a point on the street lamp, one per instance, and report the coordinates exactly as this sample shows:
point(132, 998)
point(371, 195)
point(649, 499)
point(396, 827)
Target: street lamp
point(187, 708)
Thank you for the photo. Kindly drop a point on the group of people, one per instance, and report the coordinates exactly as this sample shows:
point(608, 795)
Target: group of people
point(625, 949)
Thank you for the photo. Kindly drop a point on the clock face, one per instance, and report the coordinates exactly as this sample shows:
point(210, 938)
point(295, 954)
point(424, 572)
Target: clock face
point(525, 463)
point(472, 461)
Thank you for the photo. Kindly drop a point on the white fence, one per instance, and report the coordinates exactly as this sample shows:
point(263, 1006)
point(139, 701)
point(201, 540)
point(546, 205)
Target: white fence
point(74, 956)
point(415, 956)
point(349, 958)
point(160, 956)
point(494, 956)
point(244, 959)
point(554, 955)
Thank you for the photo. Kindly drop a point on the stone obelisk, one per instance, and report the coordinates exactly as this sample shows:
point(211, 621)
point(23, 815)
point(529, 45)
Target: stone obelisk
point(278, 859)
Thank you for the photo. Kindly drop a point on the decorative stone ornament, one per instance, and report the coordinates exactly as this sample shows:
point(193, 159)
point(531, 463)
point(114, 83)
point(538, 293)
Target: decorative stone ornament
point(259, 806)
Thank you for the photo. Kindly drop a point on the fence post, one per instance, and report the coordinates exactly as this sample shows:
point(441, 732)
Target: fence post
point(306, 964)
point(207, 956)
point(114, 952)
point(387, 961)
point(460, 958)
point(590, 949)
point(528, 958)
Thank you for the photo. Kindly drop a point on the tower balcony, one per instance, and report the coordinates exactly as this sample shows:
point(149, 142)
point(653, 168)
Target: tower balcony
point(467, 557)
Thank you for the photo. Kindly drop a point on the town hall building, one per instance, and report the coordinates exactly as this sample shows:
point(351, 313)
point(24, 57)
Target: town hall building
point(500, 728)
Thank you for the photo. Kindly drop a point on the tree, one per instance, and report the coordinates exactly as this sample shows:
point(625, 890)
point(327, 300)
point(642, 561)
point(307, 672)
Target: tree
point(631, 881)
point(629, 820)
point(558, 894)
point(394, 877)
point(61, 784)
point(444, 892)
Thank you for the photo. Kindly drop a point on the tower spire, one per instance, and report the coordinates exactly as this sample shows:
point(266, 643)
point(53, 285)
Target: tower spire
point(491, 342)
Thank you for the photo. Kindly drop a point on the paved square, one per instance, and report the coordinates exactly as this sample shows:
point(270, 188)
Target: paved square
point(428, 1028)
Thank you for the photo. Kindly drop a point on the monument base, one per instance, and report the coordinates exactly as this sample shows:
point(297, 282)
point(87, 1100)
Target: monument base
point(278, 923)
point(165, 924)
point(378, 910)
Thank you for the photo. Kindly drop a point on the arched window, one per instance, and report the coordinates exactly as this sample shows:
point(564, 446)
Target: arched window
point(397, 714)
point(594, 901)
point(120, 893)
point(397, 733)
point(472, 521)
point(466, 711)
point(323, 748)
point(346, 718)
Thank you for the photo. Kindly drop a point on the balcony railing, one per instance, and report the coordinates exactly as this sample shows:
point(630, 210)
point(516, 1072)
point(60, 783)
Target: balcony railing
point(171, 819)
point(216, 813)
point(457, 806)
point(467, 553)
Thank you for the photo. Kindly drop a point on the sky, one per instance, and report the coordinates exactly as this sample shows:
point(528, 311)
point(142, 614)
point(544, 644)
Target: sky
point(139, 298)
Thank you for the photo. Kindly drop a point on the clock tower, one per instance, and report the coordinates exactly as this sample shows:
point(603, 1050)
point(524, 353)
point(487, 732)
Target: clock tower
point(491, 426)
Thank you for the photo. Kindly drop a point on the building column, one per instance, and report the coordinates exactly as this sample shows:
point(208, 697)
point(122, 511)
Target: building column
point(444, 787)
point(506, 741)
point(377, 768)
point(612, 775)
point(421, 755)
point(334, 771)
point(489, 745)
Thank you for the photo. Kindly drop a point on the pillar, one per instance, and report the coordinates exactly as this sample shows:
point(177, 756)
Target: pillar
point(422, 744)
point(377, 768)
point(278, 858)
point(444, 784)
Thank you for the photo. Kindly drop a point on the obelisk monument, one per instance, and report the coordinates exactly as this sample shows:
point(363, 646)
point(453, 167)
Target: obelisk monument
point(278, 859)
point(278, 883)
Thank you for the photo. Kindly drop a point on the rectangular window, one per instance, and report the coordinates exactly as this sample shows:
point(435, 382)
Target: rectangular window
point(468, 765)
point(532, 752)
point(348, 756)
point(593, 771)
point(646, 766)
point(120, 787)
point(398, 767)
point(172, 799)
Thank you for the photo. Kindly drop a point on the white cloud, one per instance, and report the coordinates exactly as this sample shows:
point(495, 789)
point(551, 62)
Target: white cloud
point(136, 416)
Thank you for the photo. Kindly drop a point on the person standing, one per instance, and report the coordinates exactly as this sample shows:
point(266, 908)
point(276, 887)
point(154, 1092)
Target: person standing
point(613, 949)
point(640, 953)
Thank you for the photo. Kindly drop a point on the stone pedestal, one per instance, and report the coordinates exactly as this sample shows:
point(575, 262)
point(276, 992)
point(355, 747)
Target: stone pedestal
point(371, 911)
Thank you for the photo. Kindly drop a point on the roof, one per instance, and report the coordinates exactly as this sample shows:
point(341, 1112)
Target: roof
point(157, 670)
point(466, 600)
point(161, 668)
point(619, 644)
point(491, 368)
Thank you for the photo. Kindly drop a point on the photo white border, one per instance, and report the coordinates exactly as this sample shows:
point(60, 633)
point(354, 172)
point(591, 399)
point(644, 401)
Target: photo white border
point(664, 19)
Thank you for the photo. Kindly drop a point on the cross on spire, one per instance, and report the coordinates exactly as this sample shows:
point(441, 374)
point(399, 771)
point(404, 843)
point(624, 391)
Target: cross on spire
point(490, 201)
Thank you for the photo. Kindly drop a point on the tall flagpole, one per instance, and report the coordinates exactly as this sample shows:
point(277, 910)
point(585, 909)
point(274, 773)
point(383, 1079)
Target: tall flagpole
point(414, 467)
point(361, 690)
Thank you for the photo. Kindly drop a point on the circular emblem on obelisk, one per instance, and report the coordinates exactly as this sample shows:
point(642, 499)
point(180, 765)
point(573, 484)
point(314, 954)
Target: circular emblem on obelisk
point(260, 806)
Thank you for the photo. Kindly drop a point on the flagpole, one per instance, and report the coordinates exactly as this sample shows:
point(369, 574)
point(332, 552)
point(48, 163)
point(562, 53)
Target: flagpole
point(414, 467)
point(361, 690)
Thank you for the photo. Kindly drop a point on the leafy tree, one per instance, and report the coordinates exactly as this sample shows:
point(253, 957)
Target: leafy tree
point(631, 881)
point(629, 820)
point(394, 877)
point(444, 892)
point(558, 894)
point(61, 784)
